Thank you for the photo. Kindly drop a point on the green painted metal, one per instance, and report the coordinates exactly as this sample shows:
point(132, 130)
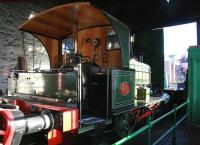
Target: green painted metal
point(129, 137)
point(152, 123)
point(174, 127)
point(120, 76)
point(149, 130)
point(194, 84)
point(123, 34)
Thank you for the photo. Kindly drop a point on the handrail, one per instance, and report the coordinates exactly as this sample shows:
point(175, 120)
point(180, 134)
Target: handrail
point(169, 130)
point(152, 123)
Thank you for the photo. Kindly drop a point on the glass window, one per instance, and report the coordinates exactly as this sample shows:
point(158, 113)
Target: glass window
point(111, 40)
point(68, 45)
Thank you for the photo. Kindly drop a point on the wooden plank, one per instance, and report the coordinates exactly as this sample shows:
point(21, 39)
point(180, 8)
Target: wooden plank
point(52, 48)
point(56, 24)
point(64, 19)
point(45, 29)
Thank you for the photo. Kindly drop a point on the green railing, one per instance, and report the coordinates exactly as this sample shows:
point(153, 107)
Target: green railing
point(150, 124)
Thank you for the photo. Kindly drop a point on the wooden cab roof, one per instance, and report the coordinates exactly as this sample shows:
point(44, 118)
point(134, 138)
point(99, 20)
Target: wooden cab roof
point(55, 24)
point(60, 21)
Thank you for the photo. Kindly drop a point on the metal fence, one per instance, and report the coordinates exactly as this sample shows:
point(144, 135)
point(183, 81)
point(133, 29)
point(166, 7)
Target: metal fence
point(150, 124)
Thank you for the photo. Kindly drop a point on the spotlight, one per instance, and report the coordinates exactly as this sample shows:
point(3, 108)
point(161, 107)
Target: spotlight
point(32, 14)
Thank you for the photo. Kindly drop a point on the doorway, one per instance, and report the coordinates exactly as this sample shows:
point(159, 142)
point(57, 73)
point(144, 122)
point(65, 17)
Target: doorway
point(177, 40)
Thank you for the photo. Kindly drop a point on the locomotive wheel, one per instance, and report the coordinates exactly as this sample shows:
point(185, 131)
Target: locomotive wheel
point(124, 124)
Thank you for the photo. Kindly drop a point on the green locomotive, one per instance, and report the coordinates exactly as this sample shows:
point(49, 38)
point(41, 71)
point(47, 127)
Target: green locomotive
point(92, 84)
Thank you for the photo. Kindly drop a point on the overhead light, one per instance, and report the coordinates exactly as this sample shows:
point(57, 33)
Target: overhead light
point(32, 14)
point(30, 48)
point(109, 45)
point(37, 48)
point(168, 1)
point(133, 38)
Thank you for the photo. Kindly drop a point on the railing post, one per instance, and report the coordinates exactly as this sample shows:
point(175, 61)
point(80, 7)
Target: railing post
point(149, 130)
point(174, 129)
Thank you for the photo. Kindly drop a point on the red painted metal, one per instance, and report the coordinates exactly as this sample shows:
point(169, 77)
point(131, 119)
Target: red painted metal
point(70, 116)
point(7, 125)
point(69, 123)
point(139, 114)
point(2, 132)
point(23, 106)
point(55, 137)
point(70, 120)
point(54, 108)
point(124, 88)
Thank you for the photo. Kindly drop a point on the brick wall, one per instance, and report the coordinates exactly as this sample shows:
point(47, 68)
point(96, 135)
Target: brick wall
point(12, 14)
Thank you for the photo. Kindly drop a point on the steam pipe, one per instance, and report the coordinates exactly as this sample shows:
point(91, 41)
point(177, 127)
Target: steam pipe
point(37, 123)
point(80, 91)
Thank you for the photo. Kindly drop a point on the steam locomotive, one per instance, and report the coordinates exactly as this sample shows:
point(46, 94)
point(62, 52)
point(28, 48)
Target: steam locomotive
point(92, 84)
